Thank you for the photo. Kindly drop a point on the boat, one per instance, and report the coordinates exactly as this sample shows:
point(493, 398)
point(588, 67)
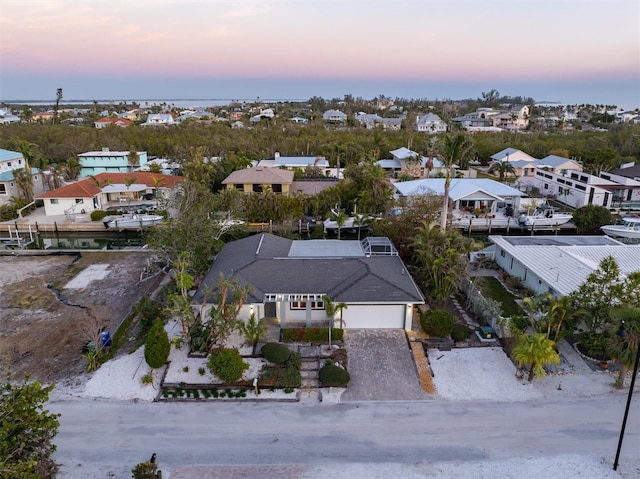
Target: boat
point(629, 229)
point(132, 222)
point(543, 217)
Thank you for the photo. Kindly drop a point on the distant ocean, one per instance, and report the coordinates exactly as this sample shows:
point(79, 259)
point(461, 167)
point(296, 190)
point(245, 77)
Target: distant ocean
point(177, 103)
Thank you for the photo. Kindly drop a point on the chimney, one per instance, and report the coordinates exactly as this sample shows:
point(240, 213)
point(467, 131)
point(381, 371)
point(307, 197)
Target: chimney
point(276, 155)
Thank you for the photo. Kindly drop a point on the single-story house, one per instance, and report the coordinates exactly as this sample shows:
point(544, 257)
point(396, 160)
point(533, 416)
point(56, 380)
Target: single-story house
point(254, 180)
point(291, 162)
point(104, 122)
point(288, 279)
point(512, 154)
point(84, 196)
point(159, 119)
point(411, 163)
point(560, 264)
point(465, 194)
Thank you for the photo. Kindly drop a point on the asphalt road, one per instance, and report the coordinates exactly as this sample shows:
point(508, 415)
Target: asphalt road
point(116, 433)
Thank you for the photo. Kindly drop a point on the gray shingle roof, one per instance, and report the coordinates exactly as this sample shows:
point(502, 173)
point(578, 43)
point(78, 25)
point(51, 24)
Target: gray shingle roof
point(264, 262)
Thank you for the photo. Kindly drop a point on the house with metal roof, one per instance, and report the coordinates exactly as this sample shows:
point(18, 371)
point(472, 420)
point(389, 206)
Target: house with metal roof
point(334, 116)
point(430, 123)
point(560, 264)
point(412, 163)
point(465, 194)
point(512, 154)
point(288, 279)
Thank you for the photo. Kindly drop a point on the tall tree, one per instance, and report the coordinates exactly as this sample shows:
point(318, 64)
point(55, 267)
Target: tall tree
point(56, 107)
point(624, 346)
point(503, 168)
point(453, 149)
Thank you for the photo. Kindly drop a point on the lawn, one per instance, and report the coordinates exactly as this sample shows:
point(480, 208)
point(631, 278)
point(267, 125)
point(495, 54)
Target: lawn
point(492, 288)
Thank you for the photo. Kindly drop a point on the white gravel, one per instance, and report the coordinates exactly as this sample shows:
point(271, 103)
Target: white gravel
point(461, 374)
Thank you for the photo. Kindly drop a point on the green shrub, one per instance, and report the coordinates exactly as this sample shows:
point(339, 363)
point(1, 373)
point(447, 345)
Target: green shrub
point(285, 375)
point(313, 335)
point(8, 212)
point(436, 323)
point(98, 215)
point(275, 353)
point(333, 376)
point(201, 371)
point(157, 346)
point(147, 379)
point(227, 364)
point(460, 332)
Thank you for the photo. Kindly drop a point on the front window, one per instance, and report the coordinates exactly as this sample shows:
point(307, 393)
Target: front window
point(79, 201)
point(303, 300)
point(3, 189)
point(54, 201)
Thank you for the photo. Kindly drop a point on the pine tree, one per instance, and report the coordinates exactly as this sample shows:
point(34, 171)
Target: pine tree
point(157, 346)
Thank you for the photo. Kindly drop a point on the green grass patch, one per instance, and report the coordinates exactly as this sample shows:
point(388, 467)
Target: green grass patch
point(492, 288)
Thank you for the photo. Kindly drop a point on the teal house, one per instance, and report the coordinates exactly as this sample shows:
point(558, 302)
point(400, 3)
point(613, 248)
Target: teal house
point(107, 161)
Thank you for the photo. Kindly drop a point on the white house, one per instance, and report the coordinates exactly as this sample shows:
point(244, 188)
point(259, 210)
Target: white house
point(334, 116)
point(628, 193)
point(576, 188)
point(84, 196)
point(155, 119)
point(430, 123)
point(465, 194)
point(560, 264)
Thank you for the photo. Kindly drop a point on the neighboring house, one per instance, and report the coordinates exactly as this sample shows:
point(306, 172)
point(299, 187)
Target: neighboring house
point(104, 122)
point(131, 115)
point(557, 164)
point(155, 119)
point(334, 116)
point(299, 120)
point(517, 118)
point(287, 280)
point(430, 123)
point(9, 162)
point(237, 125)
point(512, 154)
point(84, 196)
point(627, 116)
point(254, 180)
point(107, 161)
point(293, 162)
point(406, 161)
point(465, 194)
point(629, 170)
point(7, 117)
point(560, 264)
point(576, 188)
point(42, 116)
point(628, 194)
point(371, 121)
point(312, 187)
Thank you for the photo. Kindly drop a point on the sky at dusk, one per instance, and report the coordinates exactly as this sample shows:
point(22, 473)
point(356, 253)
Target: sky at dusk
point(552, 50)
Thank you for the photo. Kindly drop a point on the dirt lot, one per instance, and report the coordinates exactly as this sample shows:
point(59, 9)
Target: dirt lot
point(46, 302)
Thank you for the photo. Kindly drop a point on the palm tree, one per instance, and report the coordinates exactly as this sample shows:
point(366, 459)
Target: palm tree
point(502, 168)
point(340, 218)
point(360, 220)
point(560, 313)
point(454, 149)
point(24, 181)
point(536, 350)
point(254, 330)
point(133, 159)
point(331, 309)
point(128, 182)
point(624, 345)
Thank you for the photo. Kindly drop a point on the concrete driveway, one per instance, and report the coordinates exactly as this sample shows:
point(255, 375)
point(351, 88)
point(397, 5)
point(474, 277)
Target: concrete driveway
point(381, 366)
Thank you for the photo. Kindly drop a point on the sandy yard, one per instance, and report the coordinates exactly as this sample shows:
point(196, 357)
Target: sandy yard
point(46, 301)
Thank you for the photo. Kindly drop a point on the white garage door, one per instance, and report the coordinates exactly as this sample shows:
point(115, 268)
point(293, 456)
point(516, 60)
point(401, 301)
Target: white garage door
point(374, 316)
